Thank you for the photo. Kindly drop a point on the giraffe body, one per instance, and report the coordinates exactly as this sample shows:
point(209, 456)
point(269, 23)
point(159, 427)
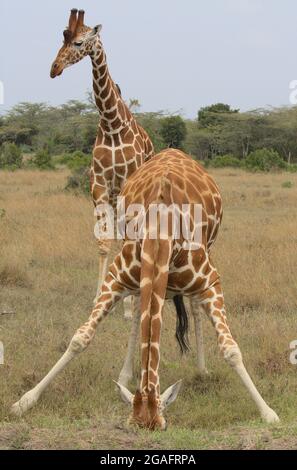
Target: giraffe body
point(156, 268)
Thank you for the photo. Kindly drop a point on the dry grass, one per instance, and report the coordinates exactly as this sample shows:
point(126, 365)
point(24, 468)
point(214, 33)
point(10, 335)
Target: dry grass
point(48, 271)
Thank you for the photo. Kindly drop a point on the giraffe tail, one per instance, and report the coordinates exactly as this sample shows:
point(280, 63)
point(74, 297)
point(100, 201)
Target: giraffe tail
point(182, 324)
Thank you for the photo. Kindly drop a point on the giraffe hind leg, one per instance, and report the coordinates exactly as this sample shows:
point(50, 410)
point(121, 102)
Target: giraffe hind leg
point(198, 327)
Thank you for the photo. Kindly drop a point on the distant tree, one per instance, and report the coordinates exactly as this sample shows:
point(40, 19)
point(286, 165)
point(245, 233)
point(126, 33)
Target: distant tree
point(91, 101)
point(264, 160)
point(43, 159)
point(10, 156)
point(173, 131)
point(151, 122)
point(74, 108)
point(134, 105)
point(198, 141)
point(210, 115)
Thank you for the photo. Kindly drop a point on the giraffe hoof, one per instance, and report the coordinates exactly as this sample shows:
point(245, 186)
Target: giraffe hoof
point(24, 404)
point(270, 416)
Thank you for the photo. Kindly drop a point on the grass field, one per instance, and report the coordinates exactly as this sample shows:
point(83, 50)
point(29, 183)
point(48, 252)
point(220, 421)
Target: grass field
point(48, 272)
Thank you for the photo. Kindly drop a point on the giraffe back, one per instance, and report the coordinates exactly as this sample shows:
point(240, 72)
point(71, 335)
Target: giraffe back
point(187, 183)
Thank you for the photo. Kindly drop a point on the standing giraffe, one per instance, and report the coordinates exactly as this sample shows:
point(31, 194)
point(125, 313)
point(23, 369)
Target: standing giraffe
point(157, 267)
point(121, 146)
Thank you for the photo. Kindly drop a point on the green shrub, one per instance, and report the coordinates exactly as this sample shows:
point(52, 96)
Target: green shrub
point(76, 160)
point(223, 161)
point(10, 156)
point(264, 160)
point(173, 131)
point(287, 184)
point(43, 160)
point(79, 180)
point(292, 168)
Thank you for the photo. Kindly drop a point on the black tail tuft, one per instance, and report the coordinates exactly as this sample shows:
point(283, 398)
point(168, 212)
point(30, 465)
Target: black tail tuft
point(182, 324)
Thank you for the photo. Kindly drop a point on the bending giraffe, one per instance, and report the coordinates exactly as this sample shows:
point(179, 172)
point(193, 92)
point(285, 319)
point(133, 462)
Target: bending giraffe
point(121, 147)
point(159, 267)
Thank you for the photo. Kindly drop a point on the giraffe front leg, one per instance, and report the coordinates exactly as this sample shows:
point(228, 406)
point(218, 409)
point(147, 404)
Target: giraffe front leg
point(129, 307)
point(104, 250)
point(198, 326)
point(111, 292)
point(212, 302)
point(104, 228)
point(127, 371)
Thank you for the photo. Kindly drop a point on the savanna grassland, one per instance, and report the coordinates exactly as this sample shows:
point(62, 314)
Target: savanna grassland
point(48, 272)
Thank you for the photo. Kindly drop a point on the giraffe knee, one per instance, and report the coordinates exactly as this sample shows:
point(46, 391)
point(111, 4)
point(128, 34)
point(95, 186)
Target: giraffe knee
point(233, 356)
point(104, 247)
point(78, 344)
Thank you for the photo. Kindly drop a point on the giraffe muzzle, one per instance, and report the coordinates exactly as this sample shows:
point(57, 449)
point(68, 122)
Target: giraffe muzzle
point(56, 70)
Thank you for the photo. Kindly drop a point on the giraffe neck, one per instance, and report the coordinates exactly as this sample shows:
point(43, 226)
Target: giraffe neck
point(114, 114)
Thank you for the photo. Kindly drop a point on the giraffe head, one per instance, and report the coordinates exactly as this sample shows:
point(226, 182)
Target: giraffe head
point(147, 409)
point(79, 41)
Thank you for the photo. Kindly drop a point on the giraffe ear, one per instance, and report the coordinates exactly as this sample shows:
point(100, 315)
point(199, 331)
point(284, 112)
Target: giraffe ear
point(126, 396)
point(170, 395)
point(97, 29)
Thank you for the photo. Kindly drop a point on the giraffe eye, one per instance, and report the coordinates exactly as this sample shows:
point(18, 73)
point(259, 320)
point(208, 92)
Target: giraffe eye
point(78, 44)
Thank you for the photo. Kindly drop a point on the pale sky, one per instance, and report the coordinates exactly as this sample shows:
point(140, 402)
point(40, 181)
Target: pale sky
point(170, 54)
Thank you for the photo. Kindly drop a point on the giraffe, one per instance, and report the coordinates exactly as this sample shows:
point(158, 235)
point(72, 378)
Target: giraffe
point(159, 267)
point(121, 146)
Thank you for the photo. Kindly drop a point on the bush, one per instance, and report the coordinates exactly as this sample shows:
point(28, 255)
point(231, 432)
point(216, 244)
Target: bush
point(264, 160)
point(223, 161)
point(292, 168)
point(173, 131)
point(43, 160)
point(79, 180)
point(287, 184)
point(76, 160)
point(10, 156)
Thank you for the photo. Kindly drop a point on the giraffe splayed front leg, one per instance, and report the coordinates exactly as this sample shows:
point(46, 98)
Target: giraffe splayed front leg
point(112, 291)
point(104, 249)
point(108, 249)
point(212, 302)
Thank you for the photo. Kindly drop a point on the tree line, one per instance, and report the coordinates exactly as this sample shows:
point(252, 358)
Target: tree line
point(40, 135)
